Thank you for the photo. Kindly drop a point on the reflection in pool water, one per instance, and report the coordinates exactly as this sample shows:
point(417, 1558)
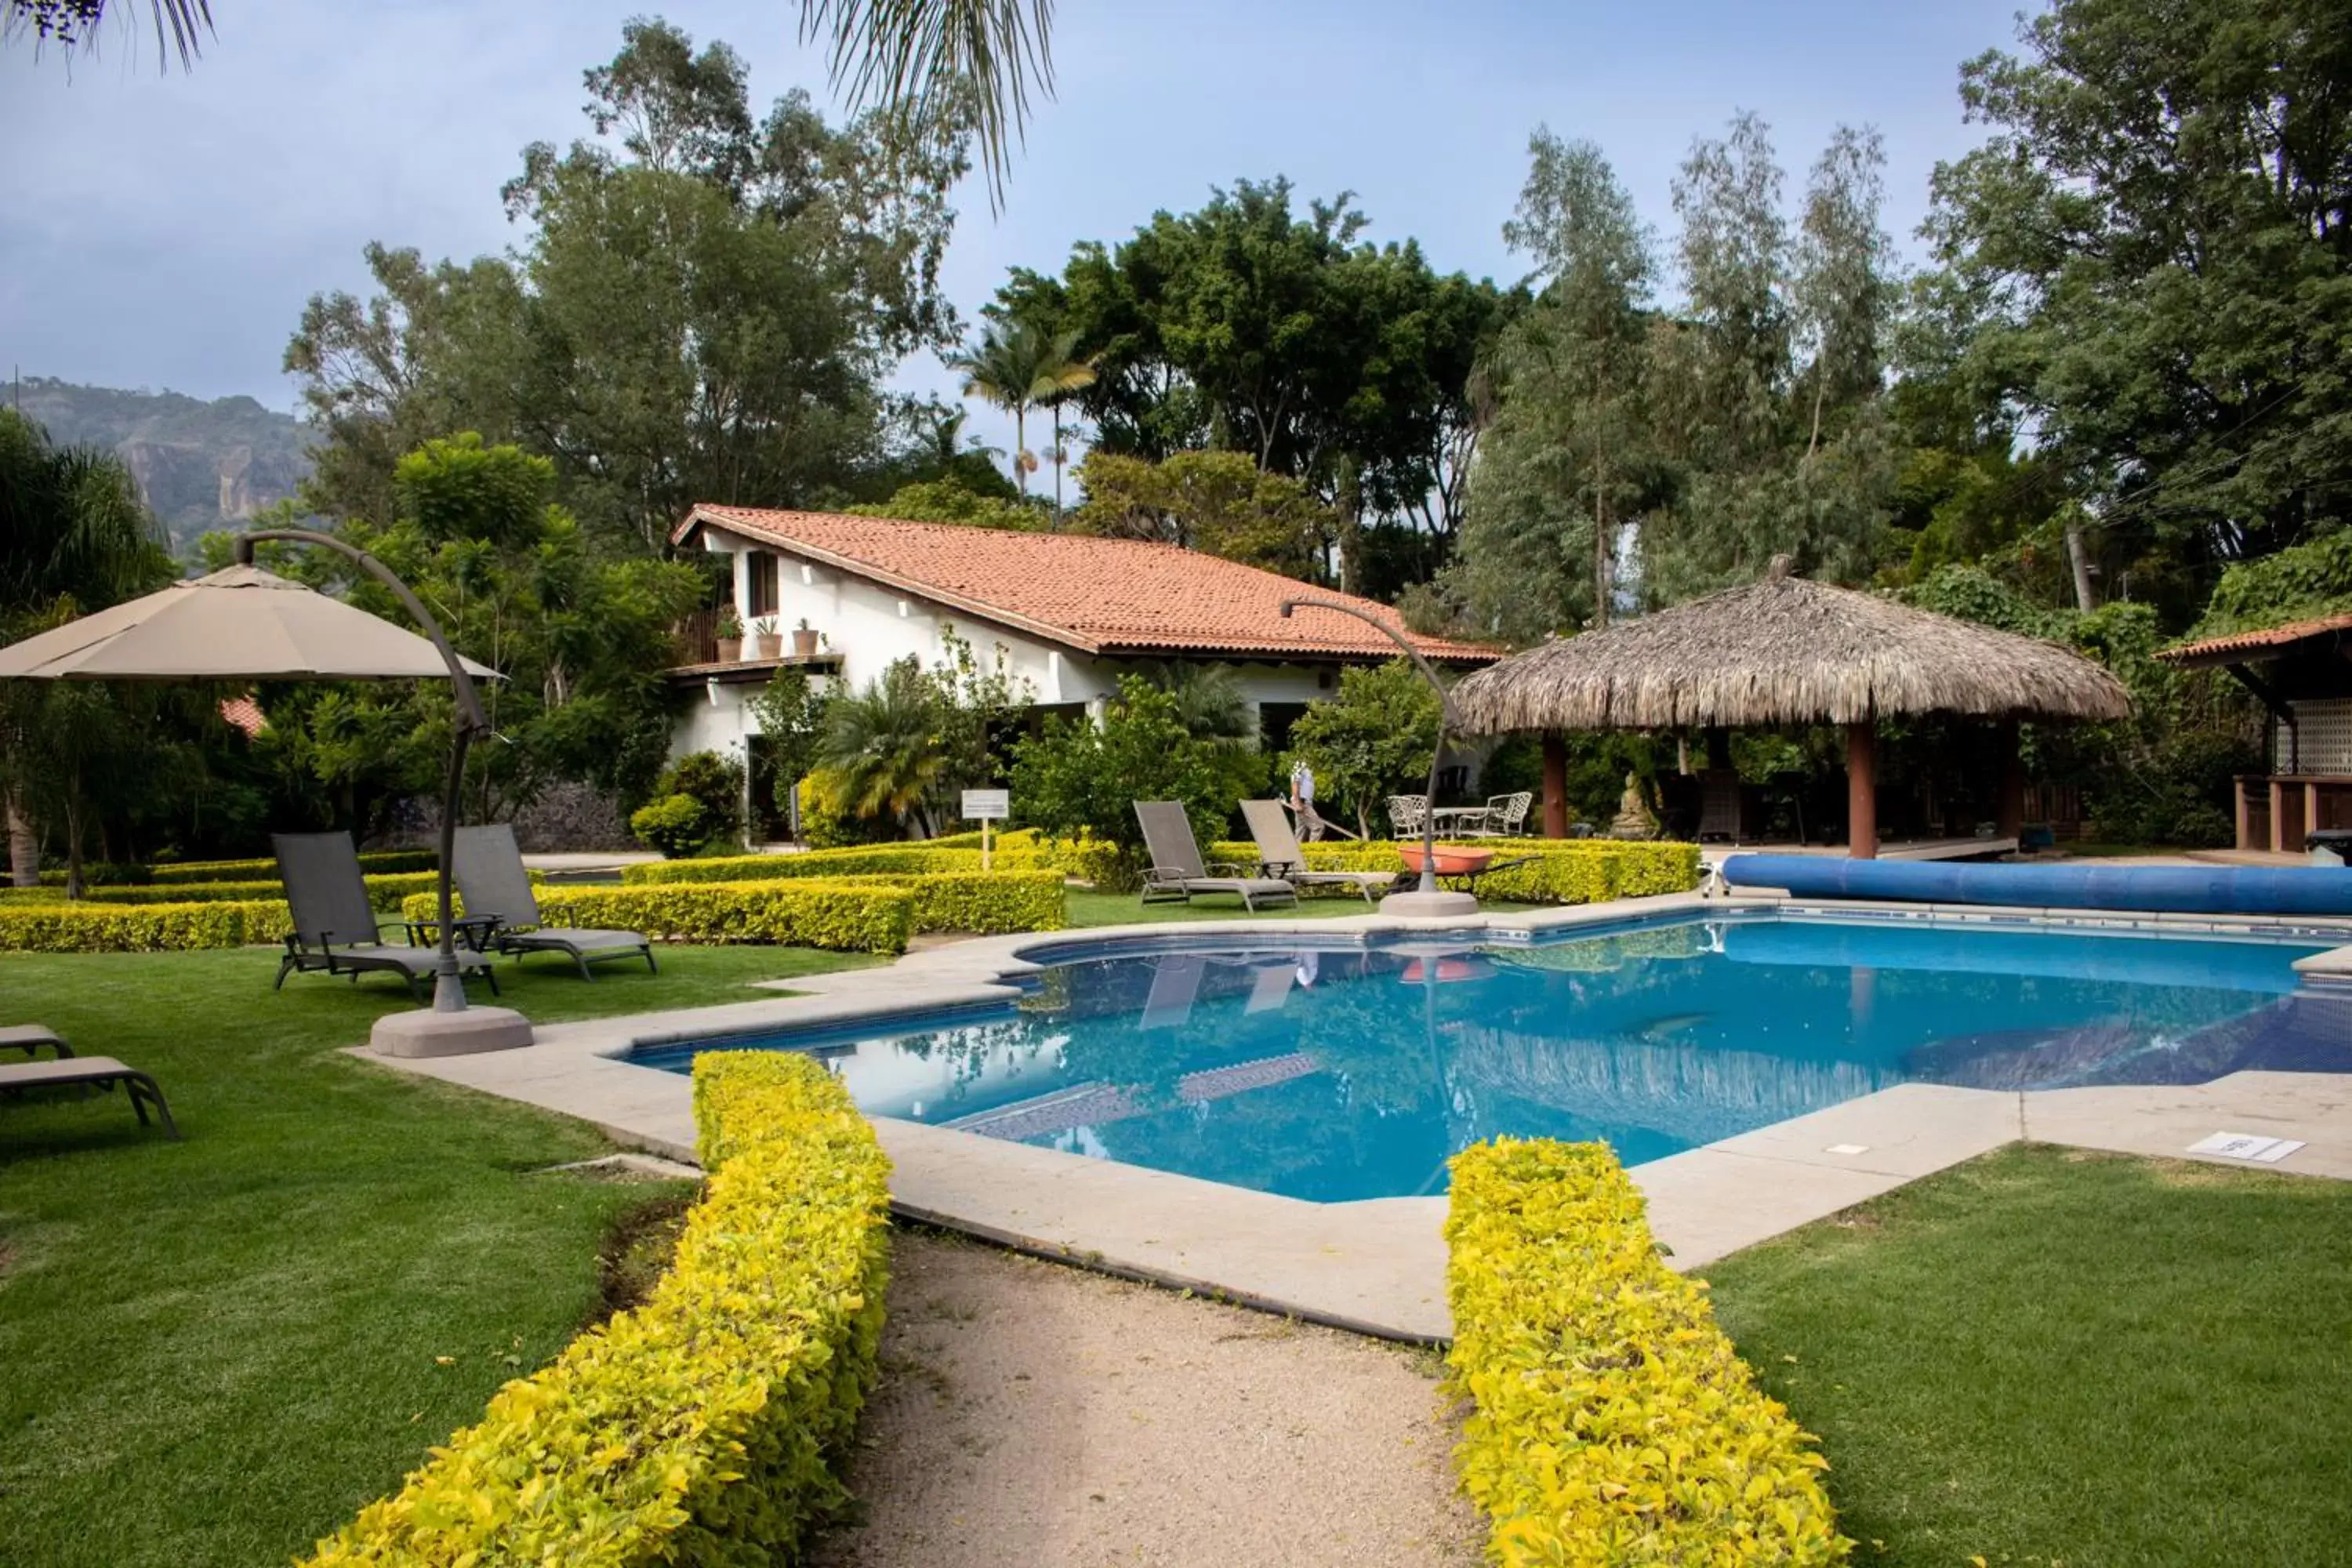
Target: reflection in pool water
point(1335, 1074)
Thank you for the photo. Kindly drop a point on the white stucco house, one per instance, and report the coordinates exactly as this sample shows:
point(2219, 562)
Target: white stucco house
point(1071, 612)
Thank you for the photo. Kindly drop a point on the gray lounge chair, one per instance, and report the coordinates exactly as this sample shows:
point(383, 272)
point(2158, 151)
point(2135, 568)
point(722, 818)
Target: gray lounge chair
point(1177, 871)
point(30, 1038)
point(491, 877)
point(1278, 853)
point(70, 1071)
point(335, 928)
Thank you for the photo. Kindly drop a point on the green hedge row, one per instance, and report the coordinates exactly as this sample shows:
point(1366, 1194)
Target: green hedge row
point(385, 860)
point(1614, 1422)
point(838, 914)
point(707, 1427)
point(88, 927)
point(1085, 858)
point(1560, 871)
point(385, 891)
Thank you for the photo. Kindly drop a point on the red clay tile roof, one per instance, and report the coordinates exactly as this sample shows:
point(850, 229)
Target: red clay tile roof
point(2238, 648)
point(1099, 595)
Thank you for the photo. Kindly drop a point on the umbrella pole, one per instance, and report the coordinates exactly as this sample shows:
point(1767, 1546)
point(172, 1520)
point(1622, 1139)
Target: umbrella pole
point(448, 984)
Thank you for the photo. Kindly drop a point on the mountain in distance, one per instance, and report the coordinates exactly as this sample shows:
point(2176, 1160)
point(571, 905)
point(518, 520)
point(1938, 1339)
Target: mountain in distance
point(200, 466)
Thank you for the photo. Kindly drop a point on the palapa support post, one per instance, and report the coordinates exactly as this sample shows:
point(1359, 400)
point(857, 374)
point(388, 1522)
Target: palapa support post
point(1555, 785)
point(2009, 818)
point(1862, 789)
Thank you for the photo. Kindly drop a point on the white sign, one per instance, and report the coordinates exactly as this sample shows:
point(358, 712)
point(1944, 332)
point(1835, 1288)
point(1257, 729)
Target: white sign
point(2246, 1146)
point(984, 805)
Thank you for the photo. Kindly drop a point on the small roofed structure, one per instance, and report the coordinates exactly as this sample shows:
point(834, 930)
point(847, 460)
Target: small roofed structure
point(1784, 650)
point(2302, 675)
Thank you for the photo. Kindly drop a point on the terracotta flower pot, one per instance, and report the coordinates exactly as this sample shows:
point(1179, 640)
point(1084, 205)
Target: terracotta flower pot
point(731, 650)
point(767, 644)
point(804, 643)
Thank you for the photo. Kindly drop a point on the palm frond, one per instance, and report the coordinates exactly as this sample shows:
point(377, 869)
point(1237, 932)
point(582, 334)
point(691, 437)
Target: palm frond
point(179, 25)
point(926, 61)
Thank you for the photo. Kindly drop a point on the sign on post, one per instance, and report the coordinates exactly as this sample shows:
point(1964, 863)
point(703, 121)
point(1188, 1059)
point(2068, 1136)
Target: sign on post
point(988, 806)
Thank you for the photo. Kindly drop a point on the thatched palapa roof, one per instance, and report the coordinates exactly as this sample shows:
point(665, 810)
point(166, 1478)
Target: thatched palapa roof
point(1784, 651)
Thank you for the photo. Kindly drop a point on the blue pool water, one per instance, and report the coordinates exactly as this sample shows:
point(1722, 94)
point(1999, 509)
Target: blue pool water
point(1334, 1072)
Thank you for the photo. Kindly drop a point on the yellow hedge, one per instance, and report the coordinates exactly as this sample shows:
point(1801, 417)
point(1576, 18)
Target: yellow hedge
point(1085, 858)
point(838, 914)
point(1559, 870)
point(86, 927)
point(1614, 1422)
point(385, 891)
point(984, 901)
point(383, 861)
point(706, 1428)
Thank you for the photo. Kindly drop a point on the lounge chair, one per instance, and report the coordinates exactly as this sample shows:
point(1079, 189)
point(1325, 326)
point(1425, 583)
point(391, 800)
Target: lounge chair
point(1177, 871)
point(1278, 853)
point(335, 928)
point(491, 877)
point(70, 1071)
point(30, 1038)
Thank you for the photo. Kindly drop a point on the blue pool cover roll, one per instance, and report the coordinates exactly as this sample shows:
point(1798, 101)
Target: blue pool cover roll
point(2169, 890)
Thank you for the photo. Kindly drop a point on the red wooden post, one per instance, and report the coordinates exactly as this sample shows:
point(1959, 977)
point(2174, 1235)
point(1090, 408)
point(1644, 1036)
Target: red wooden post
point(1555, 785)
point(1862, 791)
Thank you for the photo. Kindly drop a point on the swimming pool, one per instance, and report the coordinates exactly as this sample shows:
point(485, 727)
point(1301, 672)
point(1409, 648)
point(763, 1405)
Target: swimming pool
point(1331, 1070)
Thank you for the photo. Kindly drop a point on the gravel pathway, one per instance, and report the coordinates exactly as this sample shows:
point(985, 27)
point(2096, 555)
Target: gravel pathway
point(1036, 1415)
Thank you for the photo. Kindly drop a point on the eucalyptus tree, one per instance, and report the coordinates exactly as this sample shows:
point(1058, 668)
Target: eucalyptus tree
point(1564, 464)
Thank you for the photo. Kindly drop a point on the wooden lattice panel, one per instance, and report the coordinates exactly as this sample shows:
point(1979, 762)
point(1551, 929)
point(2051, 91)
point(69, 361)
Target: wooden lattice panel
point(2327, 741)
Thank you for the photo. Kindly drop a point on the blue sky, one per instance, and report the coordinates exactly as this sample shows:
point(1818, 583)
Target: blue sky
point(165, 231)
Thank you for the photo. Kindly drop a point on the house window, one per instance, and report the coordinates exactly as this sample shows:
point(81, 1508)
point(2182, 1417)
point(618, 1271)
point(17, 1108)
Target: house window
point(763, 585)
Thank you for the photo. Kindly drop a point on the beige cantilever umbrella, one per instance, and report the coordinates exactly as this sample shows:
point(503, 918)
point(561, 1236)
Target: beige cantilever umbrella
point(239, 624)
point(244, 624)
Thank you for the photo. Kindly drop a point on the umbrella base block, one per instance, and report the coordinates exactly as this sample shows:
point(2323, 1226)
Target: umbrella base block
point(1420, 906)
point(425, 1033)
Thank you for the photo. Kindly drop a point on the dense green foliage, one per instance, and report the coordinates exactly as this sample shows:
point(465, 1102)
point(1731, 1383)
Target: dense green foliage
point(1079, 778)
point(1613, 1422)
point(709, 1423)
point(1371, 740)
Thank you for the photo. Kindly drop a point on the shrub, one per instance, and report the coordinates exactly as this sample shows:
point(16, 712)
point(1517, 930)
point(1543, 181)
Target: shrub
point(675, 825)
point(984, 901)
point(86, 927)
point(1087, 858)
point(841, 915)
point(1614, 1422)
point(1559, 870)
point(383, 861)
point(714, 781)
point(707, 1426)
point(384, 892)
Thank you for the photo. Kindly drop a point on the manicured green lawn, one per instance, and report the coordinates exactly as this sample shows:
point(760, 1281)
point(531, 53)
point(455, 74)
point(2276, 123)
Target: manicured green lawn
point(216, 1350)
point(2051, 1356)
point(1092, 908)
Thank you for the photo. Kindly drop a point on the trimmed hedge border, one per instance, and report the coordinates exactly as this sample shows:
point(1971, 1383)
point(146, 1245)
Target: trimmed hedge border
point(86, 927)
point(837, 914)
point(1086, 859)
point(385, 860)
point(1562, 871)
point(707, 1427)
point(386, 891)
point(1614, 1422)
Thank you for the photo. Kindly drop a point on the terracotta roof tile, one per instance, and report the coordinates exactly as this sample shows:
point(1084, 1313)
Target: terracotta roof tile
point(1100, 595)
point(2215, 649)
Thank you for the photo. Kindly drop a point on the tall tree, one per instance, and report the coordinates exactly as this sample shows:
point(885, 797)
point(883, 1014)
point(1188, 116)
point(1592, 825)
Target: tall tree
point(74, 537)
point(2156, 242)
point(179, 25)
point(1018, 365)
point(1565, 462)
point(704, 309)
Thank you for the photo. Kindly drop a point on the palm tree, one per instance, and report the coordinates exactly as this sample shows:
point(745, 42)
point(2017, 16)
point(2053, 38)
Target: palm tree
point(885, 744)
point(74, 537)
point(1018, 367)
point(923, 61)
point(67, 23)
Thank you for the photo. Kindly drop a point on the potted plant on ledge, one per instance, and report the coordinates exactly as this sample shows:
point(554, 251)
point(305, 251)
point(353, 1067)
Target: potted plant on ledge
point(730, 633)
point(803, 641)
point(765, 642)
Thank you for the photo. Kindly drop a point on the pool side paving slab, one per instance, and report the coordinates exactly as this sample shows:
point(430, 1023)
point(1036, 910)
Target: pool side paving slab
point(1377, 1266)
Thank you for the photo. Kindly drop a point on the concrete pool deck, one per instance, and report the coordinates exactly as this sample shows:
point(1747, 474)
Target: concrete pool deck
point(1377, 1266)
